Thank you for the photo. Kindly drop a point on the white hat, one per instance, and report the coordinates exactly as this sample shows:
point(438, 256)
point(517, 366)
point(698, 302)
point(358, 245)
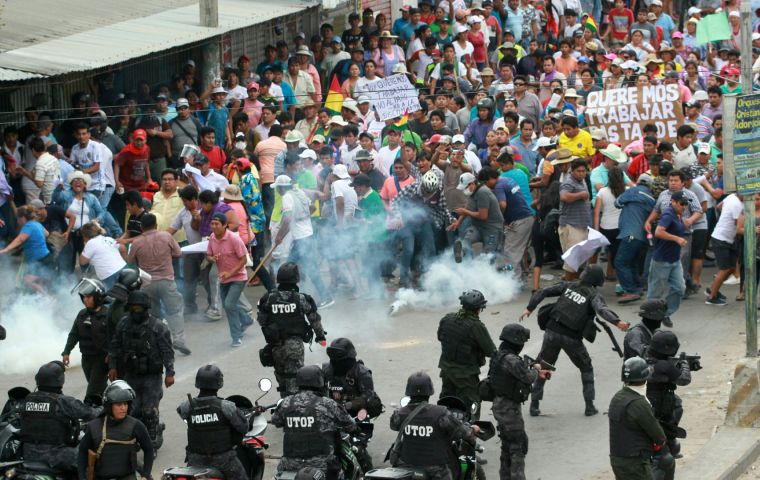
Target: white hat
point(477, 19)
point(338, 120)
point(657, 3)
point(543, 142)
point(363, 99)
point(282, 181)
point(700, 96)
point(597, 133)
point(308, 153)
point(294, 136)
point(613, 152)
point(465, 180)
point(755, 36)
point(459, 28)
point(630, 64)
point(399, 68)
point(457, 138)
point(218, 90)
point(351, 104)
point(734, 13)
point(704, 148)
point(571, 93)
point(340, 171)
point(693, 11)
point(79, 175)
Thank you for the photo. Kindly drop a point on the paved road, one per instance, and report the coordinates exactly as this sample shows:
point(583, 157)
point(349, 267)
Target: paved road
point(563, 442)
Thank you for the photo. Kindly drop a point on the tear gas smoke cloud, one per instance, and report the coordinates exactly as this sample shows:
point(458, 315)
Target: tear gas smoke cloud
point(37, 329)
point(445, 281)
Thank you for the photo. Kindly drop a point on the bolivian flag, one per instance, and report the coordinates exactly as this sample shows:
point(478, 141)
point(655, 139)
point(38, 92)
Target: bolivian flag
point(334, 100)
point(591, 25)
point(402, 123)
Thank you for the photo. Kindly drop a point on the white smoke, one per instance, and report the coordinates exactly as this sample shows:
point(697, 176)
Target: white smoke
point(445, 281)
point(37, 327)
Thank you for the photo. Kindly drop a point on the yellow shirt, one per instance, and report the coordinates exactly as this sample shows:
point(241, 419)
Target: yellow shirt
point(166, 209)
point(581, 144)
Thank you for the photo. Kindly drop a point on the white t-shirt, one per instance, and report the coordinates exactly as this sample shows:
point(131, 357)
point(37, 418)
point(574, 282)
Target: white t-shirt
point(362, 85)
point(47, 170)
point(610, 216)
point(725, 229)
point(183, 221)
point(342, 188)
point(217, 180)
point(296, 203)
point(459, 50)
point(436, 73)
point(106, 165)
point(81, 211)
point(103, 254)
point(472, 159)
point(385, 159)
point(86, 158)
point(239, 92)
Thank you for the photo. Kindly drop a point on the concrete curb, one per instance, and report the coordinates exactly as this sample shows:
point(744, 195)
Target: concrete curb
point(726, 456)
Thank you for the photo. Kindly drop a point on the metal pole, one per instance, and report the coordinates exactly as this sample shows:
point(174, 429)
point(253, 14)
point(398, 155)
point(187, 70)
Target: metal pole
point(750, 288)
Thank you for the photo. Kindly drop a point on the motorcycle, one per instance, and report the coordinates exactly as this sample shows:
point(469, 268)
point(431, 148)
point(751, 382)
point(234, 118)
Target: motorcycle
point(10, 425)
point(252, 448)
point(464, 462)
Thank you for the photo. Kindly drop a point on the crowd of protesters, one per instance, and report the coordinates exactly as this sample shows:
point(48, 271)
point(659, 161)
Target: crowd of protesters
point(499, 159)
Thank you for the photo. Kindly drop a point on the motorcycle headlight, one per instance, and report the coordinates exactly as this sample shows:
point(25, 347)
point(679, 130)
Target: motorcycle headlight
point(10, 473)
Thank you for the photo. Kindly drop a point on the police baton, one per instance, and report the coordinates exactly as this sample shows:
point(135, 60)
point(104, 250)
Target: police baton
point(261, 264)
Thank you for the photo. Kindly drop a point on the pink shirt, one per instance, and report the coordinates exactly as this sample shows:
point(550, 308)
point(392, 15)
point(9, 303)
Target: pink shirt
point(230, 249)
point(253, 110)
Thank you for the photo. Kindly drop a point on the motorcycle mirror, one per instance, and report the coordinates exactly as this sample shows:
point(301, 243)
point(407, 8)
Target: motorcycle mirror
point(473, 408)
point(362, 415)
point(404, 401)
point(265, 384)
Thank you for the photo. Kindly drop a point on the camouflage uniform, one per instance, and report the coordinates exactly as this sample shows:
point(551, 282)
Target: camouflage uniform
point(286, 332)
point(329, 418)
point(507, 410)
point(636, 341)
point(141, 352)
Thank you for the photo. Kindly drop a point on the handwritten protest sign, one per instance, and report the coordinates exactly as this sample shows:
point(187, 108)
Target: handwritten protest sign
point(623, 112)
point(392, 96)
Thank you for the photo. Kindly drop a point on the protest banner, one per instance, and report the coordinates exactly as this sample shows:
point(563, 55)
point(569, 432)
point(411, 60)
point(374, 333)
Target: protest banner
point(393, 96)
point(623, 112)
point(744, 163)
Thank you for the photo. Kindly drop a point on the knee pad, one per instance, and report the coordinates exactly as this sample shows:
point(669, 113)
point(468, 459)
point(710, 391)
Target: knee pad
point(587, 376)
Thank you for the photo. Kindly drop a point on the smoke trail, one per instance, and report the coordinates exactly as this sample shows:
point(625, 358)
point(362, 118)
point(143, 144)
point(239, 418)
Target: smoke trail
point(445, 281)
point(37, 328)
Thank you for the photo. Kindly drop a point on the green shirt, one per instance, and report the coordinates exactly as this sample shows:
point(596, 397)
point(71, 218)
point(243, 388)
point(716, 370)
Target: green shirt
point(484, 347)
point(372, 212)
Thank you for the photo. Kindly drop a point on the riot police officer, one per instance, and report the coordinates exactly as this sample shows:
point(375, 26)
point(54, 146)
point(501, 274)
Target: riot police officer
point(348, 381)
point(426, 431)
point(141, 350)
point(510, 380)
point(667, 374)
point(288, 319)
point(571, 320)
point(109, 447)
point(634, 431)
point(128, 281)
point(214, 426)
point(465, 342)
point(92, 331)
point(50, 419)
point(311, 423)
point(636, 341)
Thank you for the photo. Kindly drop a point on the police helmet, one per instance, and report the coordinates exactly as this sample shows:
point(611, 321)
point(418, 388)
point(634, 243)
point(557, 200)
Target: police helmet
point(209, 377)
point(635, 369)
point(419, 384)
point(130, 278)
point(429, 183)
point(138, 298)
point(288, 273)
point(664, 342)
point(593, 275)
point(310, 376)
point(473, 300)
point(93, 287)
point(515, 333)
point(341, 348)
point(118, 392)
point(51, 375)
point(654, 309)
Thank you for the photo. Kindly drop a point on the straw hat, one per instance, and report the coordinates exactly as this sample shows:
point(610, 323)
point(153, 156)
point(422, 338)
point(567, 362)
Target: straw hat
point(232, 193)
point(79, 175)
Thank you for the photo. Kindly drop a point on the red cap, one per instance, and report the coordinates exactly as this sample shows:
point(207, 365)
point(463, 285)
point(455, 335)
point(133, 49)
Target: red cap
point(733, 71)
point(434, 139)
point(244, 58)
point(140, 133)
point(242, 163)
point(252, 85)
point(516, 156)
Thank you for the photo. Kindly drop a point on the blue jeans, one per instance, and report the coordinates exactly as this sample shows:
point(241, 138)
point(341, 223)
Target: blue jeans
point(420, 235)
point(111, 281)
point(303, 253)
point(666, 281)
point(626, 264)
point(104, 196)
point(236, 318)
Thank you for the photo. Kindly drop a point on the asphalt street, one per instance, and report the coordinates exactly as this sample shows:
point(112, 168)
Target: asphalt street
point(564, 444)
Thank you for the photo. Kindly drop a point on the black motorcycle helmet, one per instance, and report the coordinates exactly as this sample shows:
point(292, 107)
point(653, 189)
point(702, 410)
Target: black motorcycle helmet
point(593, 276)
point(514, 333)
point(93, 287)
point(419, 384)
point(51, 375)
point(473, 300)
point(209, 377)
point(654, 309)
point(664, 343)
point(288, 273)
point(635, 370)
point(340, 349)
point(130, 278)
point(118, 392)
point(310, 377)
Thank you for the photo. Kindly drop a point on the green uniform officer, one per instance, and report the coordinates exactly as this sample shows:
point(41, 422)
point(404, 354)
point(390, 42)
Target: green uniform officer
point(635, 433)
point(465, 342)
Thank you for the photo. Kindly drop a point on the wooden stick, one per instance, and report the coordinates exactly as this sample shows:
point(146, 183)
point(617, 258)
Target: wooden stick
point(261, 264)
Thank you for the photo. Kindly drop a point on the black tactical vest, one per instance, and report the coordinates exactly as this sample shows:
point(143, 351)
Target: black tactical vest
point(341, 388)
point(626, 440)
point(303, 438)
point(422, 443)
point(503, 381)
point(42, 421)
point(140, 345)
point(573, 309)
point(116, 460)
point(92, 328)
point(661, 393)
point(287, 316)
point(457, 341)
point(208, 430)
